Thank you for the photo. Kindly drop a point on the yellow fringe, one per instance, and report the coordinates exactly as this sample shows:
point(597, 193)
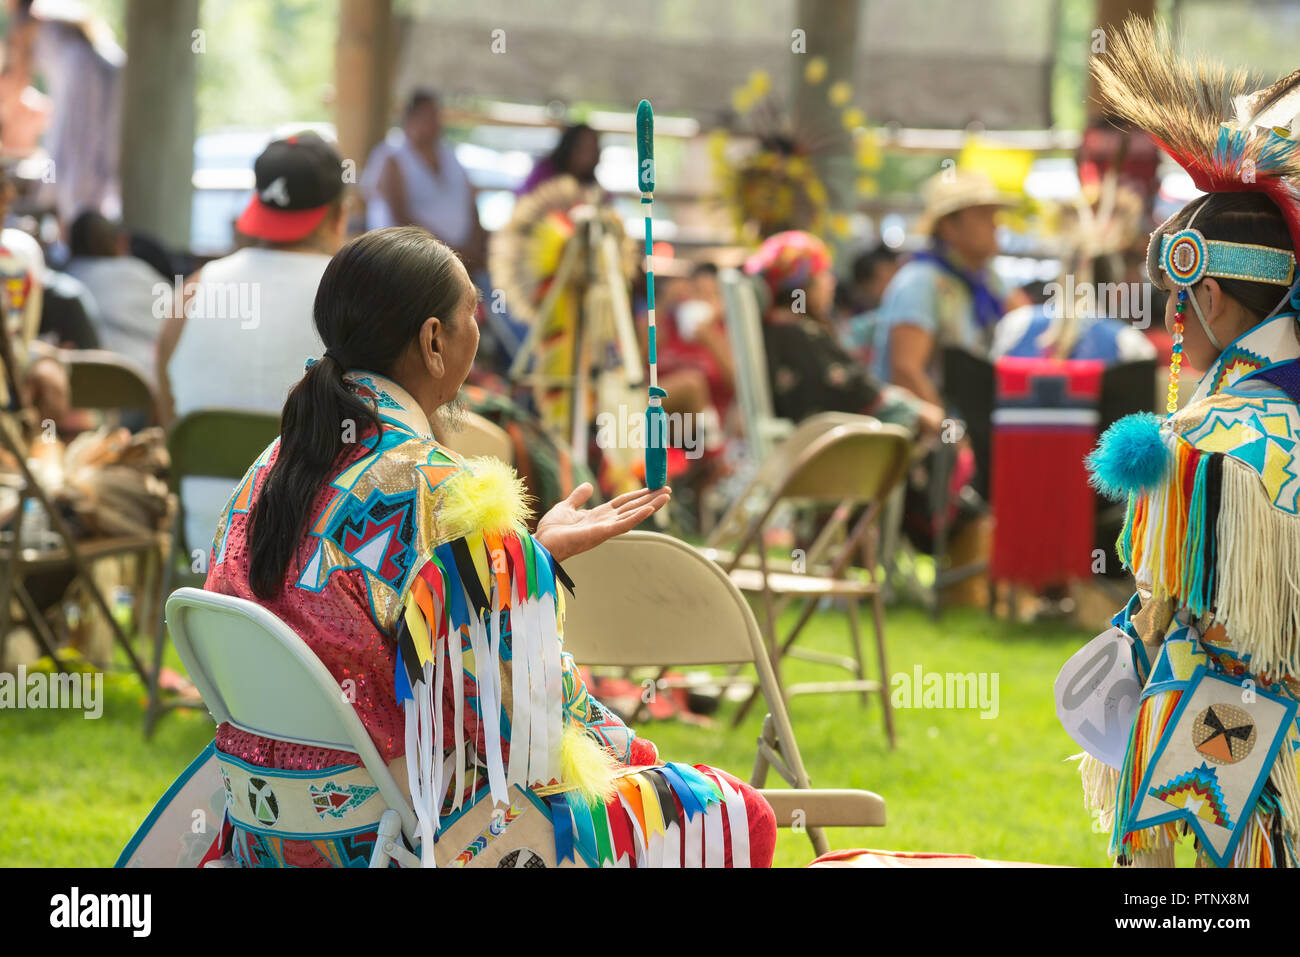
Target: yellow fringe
point(486, 496)
point(1153, 715)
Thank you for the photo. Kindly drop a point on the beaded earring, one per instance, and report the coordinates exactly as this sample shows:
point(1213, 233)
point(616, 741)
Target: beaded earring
point(1176, 360)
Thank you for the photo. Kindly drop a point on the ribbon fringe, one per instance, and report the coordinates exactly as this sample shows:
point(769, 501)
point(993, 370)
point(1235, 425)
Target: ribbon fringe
point(451, 628)
point(641, 826)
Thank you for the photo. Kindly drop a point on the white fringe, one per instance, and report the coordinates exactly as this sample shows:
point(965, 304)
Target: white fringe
point(1100, 782)
point(1258, 573)
point(1284, 778)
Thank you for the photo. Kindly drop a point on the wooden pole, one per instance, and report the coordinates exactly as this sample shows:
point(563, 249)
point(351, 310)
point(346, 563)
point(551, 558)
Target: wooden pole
point(1111, 14)
point(158, 117)
point(831, 32)
point(363, 76)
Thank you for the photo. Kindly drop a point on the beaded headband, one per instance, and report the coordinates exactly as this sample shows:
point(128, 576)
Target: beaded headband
point(1187, 257)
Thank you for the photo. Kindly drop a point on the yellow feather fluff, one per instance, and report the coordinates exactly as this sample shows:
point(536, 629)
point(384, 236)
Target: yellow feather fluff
point(585, 765)
point(486, 496)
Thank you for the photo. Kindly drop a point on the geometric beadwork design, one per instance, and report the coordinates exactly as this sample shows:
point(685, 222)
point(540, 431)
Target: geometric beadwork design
point(1184, 257)
point(263, 802)
point(336, 801)
point(495, 828)
point(1223, 734)
point(1196, 791)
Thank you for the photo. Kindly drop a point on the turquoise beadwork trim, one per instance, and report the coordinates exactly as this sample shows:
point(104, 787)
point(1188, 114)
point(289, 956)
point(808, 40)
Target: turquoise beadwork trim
point(1239, 260)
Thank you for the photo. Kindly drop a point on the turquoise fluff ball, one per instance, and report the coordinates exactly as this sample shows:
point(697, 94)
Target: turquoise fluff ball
point(1131, 457)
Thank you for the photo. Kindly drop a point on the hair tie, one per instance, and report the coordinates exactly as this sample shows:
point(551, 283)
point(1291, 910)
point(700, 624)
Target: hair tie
point(329, 354)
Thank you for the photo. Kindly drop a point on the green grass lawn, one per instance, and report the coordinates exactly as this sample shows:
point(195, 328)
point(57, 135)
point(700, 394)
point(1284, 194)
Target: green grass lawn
point(72, 791)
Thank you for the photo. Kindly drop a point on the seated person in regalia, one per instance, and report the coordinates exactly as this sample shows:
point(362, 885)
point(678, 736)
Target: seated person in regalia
point(409, 572)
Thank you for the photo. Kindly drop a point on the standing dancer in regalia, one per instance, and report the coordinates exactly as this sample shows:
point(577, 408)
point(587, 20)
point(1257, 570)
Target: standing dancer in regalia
point(1213, 490)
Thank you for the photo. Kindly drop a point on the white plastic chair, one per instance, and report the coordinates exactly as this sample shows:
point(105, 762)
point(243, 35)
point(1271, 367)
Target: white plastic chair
point(254, 672)
point(742, 310)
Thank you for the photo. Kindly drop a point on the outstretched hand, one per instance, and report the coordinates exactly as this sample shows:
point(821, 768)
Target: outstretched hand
point(568, 528)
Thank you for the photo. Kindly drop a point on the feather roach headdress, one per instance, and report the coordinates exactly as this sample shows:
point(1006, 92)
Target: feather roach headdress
point(1227, 138)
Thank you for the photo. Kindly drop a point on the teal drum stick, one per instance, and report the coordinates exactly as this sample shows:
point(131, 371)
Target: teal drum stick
point(656, 419)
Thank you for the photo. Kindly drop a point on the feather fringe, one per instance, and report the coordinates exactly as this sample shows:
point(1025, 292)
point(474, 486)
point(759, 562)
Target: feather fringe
point(586, 767)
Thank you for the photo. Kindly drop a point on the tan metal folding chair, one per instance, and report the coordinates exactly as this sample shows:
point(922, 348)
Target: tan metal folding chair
point(850, 466)
point(105, 382)
point(210, 443)
point(109, 383)
point(481, 436)
point(649, 600)
point(743, 314)
point(727, 534)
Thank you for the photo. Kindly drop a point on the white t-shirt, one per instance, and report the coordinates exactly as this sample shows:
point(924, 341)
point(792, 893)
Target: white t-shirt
point(244, 345)
point(440, 202)
point(130, 305)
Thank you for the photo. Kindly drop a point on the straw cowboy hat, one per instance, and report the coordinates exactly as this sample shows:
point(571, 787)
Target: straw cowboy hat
point(952, 190)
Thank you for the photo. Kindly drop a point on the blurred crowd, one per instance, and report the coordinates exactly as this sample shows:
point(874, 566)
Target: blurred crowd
point(865, 335)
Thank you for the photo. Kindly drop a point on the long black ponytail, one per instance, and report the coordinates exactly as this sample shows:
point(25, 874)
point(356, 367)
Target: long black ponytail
point(373, 298)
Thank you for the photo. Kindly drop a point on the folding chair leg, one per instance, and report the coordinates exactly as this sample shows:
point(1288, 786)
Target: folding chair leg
point(388, 843)
point(774, 655)
point(155, 708)
point(878, 624)
point(855, 634)
point(40, 627)
point(768, 738)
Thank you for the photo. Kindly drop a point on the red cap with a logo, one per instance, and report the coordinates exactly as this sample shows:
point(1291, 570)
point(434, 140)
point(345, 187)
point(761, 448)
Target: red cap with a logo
point(298, 178)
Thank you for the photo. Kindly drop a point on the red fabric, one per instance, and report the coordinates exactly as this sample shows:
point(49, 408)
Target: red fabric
point(761, 817)
point(643, 752)
point(675, 353)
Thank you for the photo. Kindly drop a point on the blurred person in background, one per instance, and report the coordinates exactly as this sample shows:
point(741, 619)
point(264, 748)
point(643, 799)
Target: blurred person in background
point(413, 178)
point(576, 154)
point(808, 369)
point(124, 289)
point(693, 341)
point(243, 329)
point(22, 268)
point(948, 294)
point(872, 271)
point(80, 65)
